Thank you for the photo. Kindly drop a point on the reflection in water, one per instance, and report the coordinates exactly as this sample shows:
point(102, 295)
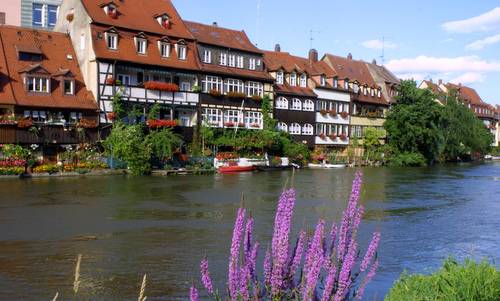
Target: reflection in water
point(126, 226)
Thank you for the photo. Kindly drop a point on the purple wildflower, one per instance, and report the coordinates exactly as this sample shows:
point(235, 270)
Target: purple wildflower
point(297, 256)
point(267, 268)
point(244, 282)
point(367, 279)
point(233, 280)
point(247, 241)
point(345, 272)
point(205, 276)
point(252, 260)
point(193, 294)
point(330, 282)
point(372, 248)
point(314, 262)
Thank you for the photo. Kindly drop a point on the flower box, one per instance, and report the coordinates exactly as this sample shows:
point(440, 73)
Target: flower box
point(332, 113)
point(160, 123)
point(215, 93)
point(323, 112)
point(226, 156)
point(161, 86)
point(241, 125)
point(333, 137)
point(229, 124)
point(322, 136)
point(236, 95)
point(255, 125)
point(25, 123)
point(256, 98)
point(344, 115)
point(87, 124)
point(343, 137)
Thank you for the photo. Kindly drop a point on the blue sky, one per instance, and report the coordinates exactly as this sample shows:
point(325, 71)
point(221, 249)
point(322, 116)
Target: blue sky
point(454, 40)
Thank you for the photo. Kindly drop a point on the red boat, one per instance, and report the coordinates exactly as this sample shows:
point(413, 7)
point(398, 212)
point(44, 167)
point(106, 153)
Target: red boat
point(235, 168)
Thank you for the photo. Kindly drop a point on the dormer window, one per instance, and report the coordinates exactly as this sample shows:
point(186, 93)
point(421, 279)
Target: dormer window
point(251, 64)
point(365, 90)
point(293, 79)
point(111, 40)
point(111, 11)
point(303, 80)
point(322, 80)
point(335, 83)
point(38, 84)
point(279, 77)
point(181, 50)
point(372, 92)
point(164, 21)
point(346, 84)
point(379, 93)
point(207, 56)
point(141, 44)
point(69, 87)
point(164, 46)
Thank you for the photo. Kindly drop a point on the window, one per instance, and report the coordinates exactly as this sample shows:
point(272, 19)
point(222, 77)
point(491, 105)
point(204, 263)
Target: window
point(82, 41)
point(38, 15)
point(282, 127)
point(295, 129)
point(379, 93)
point(365, 89)
point(140, 45)
point(37, 116)
point(223, 59)
point(207, 56)
point(231, 117)
point(308, 105)
point(164, 21)
point(112, 40)
point(211, 83)
point(69, 87)
point(181, 51)
point(232, 60)
point(239, 62)
point(296, 104)
point(282, 103)
point(322, 105)
point(234, 85)
point(253, 119)
point(164, 49)
point(323, 80)
point(213, 117)
point(251, 64)
point(335, 83)
point(255, 89)
point(307, 129)
point(293, 79)
point(357, 131)
point(38, 84)
point(303, 80)
point(346, 84)
point(279, 77)
point(53, 11)
point(124, 79)
point(372, 92)
point(75, 116)
point(2, 18)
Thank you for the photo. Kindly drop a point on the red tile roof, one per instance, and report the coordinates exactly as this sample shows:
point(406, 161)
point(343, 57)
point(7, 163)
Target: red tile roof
point(236, 72)
point(220, 36)
point(140, 15)
point(299, 91)
point(466, 93)
point(58, 54)
point(351, 69)
point(434, 87)
point(127, 50)
point(283, 60)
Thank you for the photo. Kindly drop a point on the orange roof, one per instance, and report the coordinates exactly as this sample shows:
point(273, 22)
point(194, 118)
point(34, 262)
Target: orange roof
point(434, 88)
point(57, 53)
point(287, 89)
point(236, 72)
point(353, 70)
point(466, 93)
point(139, 15)
point(219, 36)
point(6, 95)
point(127, 50)
point(275, 61)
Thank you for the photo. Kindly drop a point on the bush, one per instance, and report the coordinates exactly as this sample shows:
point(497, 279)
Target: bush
point(46, 168)
point(11, 171)
point(407, 159)
point(470, 281)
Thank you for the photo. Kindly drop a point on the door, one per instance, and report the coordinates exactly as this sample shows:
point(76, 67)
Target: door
point(185, 86)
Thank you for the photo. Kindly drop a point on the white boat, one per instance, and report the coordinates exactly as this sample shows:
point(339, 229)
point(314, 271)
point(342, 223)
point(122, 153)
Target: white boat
point(326, 166)
point(495, 158)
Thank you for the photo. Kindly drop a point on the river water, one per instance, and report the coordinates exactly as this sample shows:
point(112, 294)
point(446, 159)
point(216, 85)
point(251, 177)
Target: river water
point(162, 226)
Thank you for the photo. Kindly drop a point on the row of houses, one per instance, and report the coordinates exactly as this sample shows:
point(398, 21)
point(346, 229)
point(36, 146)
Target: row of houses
point(64, 82)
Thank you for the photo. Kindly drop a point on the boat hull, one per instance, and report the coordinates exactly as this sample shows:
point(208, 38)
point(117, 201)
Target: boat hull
point(235, 169)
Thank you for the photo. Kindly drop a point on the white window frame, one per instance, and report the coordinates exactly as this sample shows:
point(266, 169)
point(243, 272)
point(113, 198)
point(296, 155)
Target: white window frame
point(141, 45)
point(181, 52)
point(303, 80)
point(41, 8)
point(111, 40)
point(207, 56)
point(232, 116)
point(293, 79)
point(72, 87)
point(308, 105)
point(322, 80)
point(254, 89)
point(240, 61)
point(212, 117)
point(335, 83)
point(280, 75)
point(346, 84)
point(296, 104)
point(295, 129)
point(282, 127)
point(234, 85)
point(253, 118)
point(164, 49)
point(232, 60)
point(282, 103)
point(38, 84)
point(75, 116)
point(308, 129)
point(252, 64)
point(211, 83)
point(223, 59)
point(83, 41)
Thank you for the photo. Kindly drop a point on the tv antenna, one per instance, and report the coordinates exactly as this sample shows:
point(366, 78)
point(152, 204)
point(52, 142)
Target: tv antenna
point(382, 56)
point(257, 25)
point(311, 37)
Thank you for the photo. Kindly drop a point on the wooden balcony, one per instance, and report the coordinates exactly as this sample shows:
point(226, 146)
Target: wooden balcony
point(46, 134)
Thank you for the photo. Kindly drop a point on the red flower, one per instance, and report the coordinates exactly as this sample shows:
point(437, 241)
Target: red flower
point(161, 86)
point(111, 116)
point(344, 115)
point(215, 93)
point(343, 137)
point(110, 81)
point(160, 123)
point(25, 123)
point(322, 136)
point(333, 136)
point(87, 124)
point(229, 124)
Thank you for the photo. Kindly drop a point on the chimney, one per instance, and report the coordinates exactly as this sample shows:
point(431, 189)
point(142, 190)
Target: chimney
point(313, 56)
point(349, 56)
point(215, 24)
point(277, 48)
point(440, 81)
point(374, 62)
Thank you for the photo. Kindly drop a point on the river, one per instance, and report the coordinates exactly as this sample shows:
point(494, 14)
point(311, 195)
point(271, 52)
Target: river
point(127, 226)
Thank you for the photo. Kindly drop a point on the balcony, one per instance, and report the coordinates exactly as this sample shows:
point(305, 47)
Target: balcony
point(331, 140)
point(141, 94)
point(327, 117)
point(46, 134)
point(224, 100)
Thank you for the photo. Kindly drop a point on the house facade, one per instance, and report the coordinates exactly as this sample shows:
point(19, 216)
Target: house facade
point(44, 102)
point(40, 14)
point(233, 80)
point(140, 50)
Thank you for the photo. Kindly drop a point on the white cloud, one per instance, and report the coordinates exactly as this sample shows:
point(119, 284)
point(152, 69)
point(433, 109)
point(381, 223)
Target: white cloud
point(469, 78)
point(414, 76)
point(426, 64)
point(480, 44)
point(449, 40)
point(485, 22)
point(378, 44)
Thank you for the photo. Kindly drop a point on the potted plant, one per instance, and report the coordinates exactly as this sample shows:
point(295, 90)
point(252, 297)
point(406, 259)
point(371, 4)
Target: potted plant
point(333, 113)
point(25, 123)
point(110, 81)
point(322, 136)
point(323, 112)
point(196, 89)
point(256, 98)
point(111, 116)
point(215, 93)
point(343, 137)
point(344, 115)
point(333, 136)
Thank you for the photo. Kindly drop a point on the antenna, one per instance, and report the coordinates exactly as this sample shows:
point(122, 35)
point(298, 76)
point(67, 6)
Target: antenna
point(258, 23)
point(382, 56)
point(311, 37)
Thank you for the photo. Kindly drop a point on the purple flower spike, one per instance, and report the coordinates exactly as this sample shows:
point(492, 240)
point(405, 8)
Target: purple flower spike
point(252, 261)
point(329, 284)
point(314, 262)
point(372, 249)
point(346, 271)
point(267, 268)
point(297, 257)
point(205, 277)
point(193, 294)
point(233, 280)
point(367, 279)
point(247, 242)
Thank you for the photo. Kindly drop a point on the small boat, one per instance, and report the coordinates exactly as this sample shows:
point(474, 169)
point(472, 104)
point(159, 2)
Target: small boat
point(326, 166)
point(495, 158)
point(235, 168)
point(274, 168)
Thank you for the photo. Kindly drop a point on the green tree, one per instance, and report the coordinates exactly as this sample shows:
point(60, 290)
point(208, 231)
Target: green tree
point(413, 123)
point(267, 110)
point(163, 143)
point(371, 142)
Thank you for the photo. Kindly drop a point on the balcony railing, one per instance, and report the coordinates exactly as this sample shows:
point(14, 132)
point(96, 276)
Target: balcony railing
point(46, 135)
point(141, 94)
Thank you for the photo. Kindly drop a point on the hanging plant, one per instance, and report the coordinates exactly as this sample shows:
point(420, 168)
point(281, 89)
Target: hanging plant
point(333, 136)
